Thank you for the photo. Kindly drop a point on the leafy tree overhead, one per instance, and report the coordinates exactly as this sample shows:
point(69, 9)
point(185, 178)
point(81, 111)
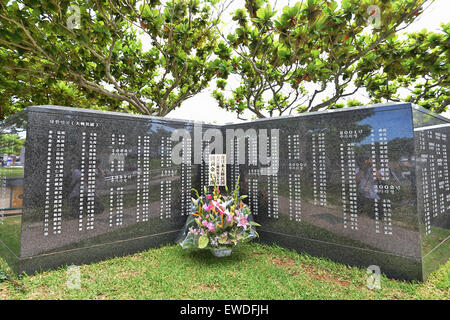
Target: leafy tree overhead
point(416, 70)
point(149, 56)
point(286, 60)
point(101, 55)
point(19, 90)
point(11, 143)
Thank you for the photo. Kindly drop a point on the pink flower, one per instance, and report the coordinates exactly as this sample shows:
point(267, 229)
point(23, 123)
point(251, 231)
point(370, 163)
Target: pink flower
point(220, 209)
point(207, 208)
point(204, 223)
point(208, 196)
point(242, 222)
point(211, 226)
point(194, 231)
point(218, 190)
point(229, 219)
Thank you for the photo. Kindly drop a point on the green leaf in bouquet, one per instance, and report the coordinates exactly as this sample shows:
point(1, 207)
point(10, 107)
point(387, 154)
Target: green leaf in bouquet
point(253, 223)
point(203, 242)
point(197, 195)
point(246, 210)
point(222, 240)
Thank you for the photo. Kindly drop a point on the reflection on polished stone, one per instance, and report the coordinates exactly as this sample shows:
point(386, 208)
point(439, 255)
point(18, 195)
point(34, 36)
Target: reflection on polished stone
point(94, 185)
point(363, 186)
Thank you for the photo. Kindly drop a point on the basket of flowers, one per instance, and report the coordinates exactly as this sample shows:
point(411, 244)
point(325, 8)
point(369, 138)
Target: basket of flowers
point(218, 222)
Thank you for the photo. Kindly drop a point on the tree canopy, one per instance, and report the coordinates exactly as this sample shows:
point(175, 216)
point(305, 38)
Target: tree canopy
point(285, 61)
point(98, 48)
point(415, 70)
point(19, 90)
point(149, 56)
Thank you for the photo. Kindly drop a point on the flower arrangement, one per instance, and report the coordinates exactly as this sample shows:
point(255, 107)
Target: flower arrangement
point(218, 221)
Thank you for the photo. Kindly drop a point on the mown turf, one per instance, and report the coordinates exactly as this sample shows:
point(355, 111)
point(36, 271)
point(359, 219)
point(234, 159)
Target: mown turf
point(11, 172)
point(253, 271)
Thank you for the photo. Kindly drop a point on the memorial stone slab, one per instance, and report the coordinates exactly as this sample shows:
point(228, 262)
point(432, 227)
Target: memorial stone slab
point(366, 186)
point(363, 186)
point(90, 185)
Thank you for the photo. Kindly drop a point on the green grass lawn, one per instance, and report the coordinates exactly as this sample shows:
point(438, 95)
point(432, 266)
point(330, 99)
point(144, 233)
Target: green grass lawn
point(253, 271)
point(11, 172)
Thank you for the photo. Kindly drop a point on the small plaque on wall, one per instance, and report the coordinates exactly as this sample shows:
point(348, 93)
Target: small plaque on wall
point(217, 169)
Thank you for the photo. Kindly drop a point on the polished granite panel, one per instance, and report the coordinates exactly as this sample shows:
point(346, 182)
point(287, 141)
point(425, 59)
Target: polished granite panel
point(95, 181)
point(362, 186)
point(432, 144)
point(13, 135)
point(345, 187)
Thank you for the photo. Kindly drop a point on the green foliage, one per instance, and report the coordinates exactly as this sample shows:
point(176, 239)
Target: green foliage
point(101, 61)
point(11, 144)
point(420, 63)
point(20, 89)
point(203, 242)
point(286, 60)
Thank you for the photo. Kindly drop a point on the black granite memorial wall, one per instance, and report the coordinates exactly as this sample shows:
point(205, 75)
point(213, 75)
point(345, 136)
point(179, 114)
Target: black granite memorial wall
point(94, 185)
point(363, 186)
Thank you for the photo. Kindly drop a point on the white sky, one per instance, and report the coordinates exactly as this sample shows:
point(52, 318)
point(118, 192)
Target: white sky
point(203, 107)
